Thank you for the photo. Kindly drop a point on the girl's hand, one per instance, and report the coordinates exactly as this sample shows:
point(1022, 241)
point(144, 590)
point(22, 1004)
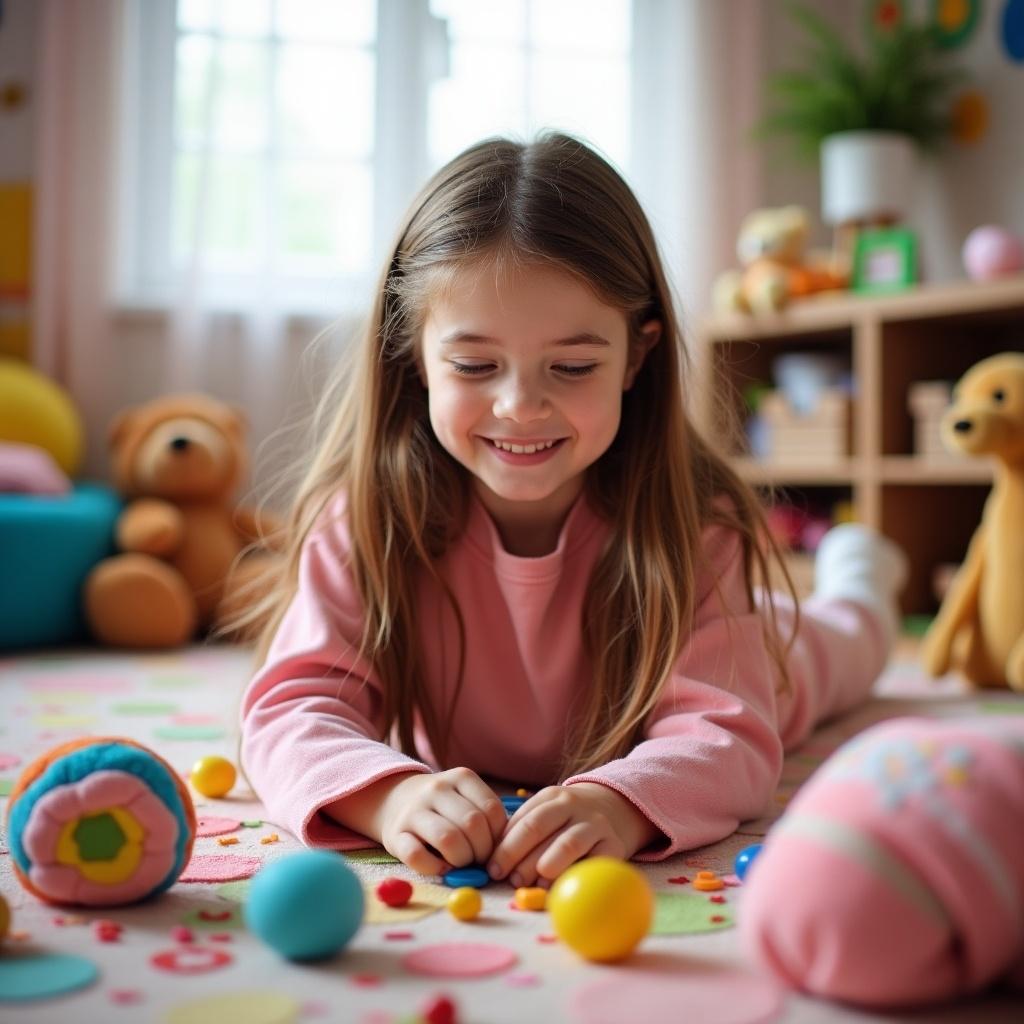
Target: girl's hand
point(562, 824)
point(452, 813)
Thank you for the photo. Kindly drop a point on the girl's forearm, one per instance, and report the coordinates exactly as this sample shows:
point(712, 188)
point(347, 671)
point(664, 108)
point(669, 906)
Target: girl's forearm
point(362, 811)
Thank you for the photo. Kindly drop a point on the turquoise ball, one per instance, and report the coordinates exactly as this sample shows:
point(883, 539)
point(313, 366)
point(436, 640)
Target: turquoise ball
point(306, 905)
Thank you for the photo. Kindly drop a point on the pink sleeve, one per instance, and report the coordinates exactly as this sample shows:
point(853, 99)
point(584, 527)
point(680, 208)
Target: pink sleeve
point(312, 730)
point(712, 754)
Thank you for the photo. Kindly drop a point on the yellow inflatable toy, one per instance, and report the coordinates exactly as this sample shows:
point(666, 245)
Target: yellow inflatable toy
point(34, 410)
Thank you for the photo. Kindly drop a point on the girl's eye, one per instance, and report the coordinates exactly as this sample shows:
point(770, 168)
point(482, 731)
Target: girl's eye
point(472, 369)
point(999, 396)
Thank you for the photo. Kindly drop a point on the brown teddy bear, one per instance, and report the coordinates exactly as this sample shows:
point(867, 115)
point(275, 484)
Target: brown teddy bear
point(980, 627)
point(178, 460)
point(775, 264)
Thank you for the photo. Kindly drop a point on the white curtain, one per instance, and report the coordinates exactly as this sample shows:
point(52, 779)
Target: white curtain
point(699, 175)
point(76, 164)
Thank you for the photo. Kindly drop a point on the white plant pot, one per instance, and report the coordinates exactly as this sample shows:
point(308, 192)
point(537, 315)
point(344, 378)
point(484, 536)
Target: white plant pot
point(866, 176)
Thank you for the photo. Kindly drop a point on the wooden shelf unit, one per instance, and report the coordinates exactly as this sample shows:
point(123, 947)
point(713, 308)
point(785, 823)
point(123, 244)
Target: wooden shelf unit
point(929, 505)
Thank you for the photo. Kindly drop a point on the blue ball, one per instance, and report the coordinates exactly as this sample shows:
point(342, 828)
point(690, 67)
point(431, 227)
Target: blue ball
point(306, 905)
point(744, 859)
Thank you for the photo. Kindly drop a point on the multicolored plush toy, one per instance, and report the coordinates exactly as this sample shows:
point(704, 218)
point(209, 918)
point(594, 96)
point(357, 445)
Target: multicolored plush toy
point(99, 822)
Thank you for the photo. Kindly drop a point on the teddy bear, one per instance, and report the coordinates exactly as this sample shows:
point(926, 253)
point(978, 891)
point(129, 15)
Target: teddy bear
point(177, 461)
point(775, 265)
point(980, 626)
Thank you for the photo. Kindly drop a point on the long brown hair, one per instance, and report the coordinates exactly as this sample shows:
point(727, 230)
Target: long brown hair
point(555, 201)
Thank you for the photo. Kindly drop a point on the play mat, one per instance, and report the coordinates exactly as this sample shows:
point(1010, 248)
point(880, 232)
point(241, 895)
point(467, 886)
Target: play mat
point(186, 957)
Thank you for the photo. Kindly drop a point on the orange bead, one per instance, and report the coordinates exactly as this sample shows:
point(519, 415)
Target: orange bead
point(707, 881)
point(532, 898)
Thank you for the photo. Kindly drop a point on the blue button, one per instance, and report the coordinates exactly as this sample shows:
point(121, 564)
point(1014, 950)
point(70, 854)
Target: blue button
point(473, 875)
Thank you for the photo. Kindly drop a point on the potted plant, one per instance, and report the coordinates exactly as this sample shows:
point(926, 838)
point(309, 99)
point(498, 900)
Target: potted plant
point(866, 113)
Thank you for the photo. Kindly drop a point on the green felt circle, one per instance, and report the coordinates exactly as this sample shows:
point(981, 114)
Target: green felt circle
point(99, 837)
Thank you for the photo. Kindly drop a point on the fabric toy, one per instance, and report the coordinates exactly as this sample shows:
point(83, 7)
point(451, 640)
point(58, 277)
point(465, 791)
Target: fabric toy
point(178, 460)
point(895, 878)
point(99, 822)
point(775, 266)
point(991, 252)
point(980, 626)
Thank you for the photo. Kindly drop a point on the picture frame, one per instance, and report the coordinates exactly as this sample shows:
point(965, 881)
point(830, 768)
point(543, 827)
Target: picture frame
point(884, 260)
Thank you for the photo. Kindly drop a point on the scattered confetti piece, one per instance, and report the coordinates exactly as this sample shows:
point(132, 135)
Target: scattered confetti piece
point(272, 838)
point(255, 823)
point(220, 867)
point(547, 938)
point(182, 934)
point(716, 899)
point(523, 980)
point(427, 898)
point(366, 980)
point(712, 996)
point(679, 880)
point(219, 918)
point(252, 1007)
point(190, 959)
point(685, 913)
point(210, 825)
point(220, 937)
point(227, 840)
point(189, 732)
point(460, 960)
point(399, 936)
point(40, 977)
point(125, 996)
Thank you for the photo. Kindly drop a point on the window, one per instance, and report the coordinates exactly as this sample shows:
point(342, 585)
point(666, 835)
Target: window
point(273, 144)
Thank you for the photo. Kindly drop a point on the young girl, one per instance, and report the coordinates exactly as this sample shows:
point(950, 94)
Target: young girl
point(514, 557)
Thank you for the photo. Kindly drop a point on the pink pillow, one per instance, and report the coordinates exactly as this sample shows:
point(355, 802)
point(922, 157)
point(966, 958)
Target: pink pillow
point(29, 469)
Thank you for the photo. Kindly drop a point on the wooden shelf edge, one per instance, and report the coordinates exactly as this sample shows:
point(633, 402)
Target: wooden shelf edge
point(844, 310)
point(914, 469)
point(842, 473)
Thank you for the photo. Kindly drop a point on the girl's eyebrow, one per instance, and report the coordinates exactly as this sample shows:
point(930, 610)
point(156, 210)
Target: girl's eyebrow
point(583, 338)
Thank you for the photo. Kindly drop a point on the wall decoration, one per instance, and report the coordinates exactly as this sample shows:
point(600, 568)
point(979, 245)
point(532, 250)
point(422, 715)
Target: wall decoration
point(971, 118)
point(955, 20)
point(1013, 29)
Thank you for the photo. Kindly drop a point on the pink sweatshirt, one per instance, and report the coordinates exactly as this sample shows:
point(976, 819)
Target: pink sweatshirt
point(712, 753)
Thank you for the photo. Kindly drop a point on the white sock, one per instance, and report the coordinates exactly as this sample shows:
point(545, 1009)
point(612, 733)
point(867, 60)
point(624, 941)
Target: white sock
point(856, 563)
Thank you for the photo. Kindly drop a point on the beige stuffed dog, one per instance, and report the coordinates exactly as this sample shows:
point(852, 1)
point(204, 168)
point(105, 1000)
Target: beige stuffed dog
point(179, 461)
point(980, 627)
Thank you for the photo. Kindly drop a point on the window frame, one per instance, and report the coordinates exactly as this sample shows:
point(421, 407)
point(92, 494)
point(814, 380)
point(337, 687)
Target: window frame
point(410, 44)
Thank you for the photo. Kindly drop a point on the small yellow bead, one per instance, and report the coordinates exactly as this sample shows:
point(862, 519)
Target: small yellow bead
point(213, 776)
point(522, 792)
point(533, 898)
point(707, 881)
point(465, 903)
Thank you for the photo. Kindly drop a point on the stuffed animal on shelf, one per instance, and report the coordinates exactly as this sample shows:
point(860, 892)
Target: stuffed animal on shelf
point(775, 265)
point(178, 460)
point(980, 626)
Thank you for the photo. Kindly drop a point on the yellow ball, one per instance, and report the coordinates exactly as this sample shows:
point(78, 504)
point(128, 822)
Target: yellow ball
point(5, 918)
point(601, 908)
point(465, 903)
point(213, 776)
point(35, 410)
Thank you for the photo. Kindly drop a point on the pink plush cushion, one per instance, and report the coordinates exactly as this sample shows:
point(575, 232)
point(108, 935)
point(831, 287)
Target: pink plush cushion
point(28, 469)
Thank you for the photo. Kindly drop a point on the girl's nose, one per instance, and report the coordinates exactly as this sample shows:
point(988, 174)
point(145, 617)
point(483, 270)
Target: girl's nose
point(520, 400)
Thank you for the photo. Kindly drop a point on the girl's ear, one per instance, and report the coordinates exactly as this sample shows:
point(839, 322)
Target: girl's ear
point(650, 334)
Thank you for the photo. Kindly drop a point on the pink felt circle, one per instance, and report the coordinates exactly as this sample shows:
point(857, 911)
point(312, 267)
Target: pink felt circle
point(94, 794)
point(210, 825)
point(220, 867)
point(710, 996)
point(459, 960)
point(9, 761)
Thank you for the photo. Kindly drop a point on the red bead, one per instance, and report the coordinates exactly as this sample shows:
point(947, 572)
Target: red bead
point(439, 1010)
point(395, 892)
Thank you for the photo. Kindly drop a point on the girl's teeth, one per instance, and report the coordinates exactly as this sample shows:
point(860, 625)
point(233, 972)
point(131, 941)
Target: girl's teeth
point(520, 449)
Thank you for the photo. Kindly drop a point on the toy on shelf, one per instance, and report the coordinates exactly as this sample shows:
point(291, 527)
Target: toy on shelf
point(601, 907)
point(928, 401)
point(178, 460)
point(775, 268)
point(980, 626)
point(991, 252)
point(99, 822)
point(307, 905)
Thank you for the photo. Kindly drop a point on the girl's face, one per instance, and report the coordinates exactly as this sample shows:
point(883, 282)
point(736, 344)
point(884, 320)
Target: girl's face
point(531, 359)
